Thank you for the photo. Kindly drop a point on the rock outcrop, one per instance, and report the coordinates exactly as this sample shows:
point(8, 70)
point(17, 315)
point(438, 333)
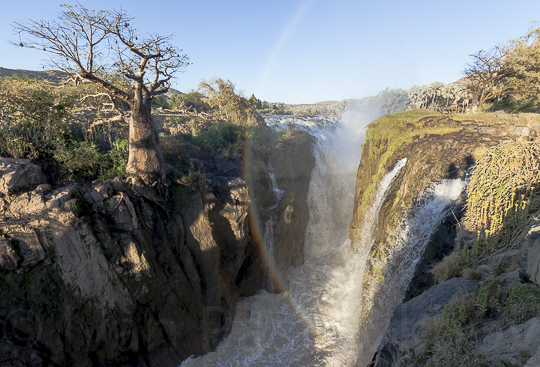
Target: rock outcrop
point(512, 344)
point(111, 274)
point(120, 274)
point(19, 174)
point(402, 332)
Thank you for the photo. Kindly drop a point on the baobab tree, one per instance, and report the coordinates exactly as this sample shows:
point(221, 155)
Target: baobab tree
point(87, 45)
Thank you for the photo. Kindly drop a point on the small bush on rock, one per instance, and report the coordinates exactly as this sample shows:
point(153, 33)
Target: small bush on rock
point(449, 267)
point(471, 274)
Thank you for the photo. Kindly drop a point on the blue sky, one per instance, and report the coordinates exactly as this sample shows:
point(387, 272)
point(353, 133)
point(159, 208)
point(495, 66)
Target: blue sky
point(306, 51)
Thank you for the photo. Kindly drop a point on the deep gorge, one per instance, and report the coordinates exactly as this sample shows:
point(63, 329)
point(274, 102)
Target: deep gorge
point(112, 273)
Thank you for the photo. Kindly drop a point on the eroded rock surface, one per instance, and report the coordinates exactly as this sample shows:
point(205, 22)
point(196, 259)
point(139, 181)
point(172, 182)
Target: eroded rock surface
point(119, 274)
point(19, 174)
point(511, 344)
point(529, 261)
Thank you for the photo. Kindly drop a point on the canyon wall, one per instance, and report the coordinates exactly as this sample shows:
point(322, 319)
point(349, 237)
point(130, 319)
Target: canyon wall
point(118, 273)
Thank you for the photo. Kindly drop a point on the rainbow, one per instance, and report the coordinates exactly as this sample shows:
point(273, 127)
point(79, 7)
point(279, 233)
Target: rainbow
point(285, 34)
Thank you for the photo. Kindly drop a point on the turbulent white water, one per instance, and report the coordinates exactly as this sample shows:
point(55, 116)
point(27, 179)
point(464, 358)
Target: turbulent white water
point(367, 233)
point(317, 322)
point(277, 192)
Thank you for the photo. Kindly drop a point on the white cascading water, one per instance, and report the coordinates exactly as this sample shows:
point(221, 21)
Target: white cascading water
point(317, 322)
point(271, 223)
point(405, 245)
point(367, 237)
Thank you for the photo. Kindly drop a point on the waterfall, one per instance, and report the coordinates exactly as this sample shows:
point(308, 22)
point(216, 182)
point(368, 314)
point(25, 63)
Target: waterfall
point(367, 237)
point(277, 193)
point(317, 322)
point(405, 245)
point(271, 223)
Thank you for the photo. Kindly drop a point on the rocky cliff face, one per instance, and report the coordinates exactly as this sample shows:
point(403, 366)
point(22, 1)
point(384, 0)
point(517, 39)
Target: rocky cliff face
point(445, 154)
point(120, 274)
point(431, 158)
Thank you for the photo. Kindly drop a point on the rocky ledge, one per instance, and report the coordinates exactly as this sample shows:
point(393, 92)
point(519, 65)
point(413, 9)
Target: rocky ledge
point(497, 343)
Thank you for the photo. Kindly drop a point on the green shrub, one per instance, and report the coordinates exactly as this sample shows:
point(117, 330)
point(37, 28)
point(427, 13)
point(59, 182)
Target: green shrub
point(192, 100)
point(224, 138)
point(222, 96)
point(160, 101)
point(33, 117)
point(118, 157)
point(523, 303)
point(28, 139)
point(80, 160)
point(38, 120)
point(84, 160)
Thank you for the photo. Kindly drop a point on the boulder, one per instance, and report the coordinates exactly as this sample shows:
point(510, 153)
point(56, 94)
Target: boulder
point(401, 332)
point(534, 361)
point(18, 175)
point(512, 344)
point(508, 261)
point(529, 261)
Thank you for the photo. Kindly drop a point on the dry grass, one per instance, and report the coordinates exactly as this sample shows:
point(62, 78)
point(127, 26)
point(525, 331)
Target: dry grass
point(480, 152)
point(503, 193)
point(522, 119)
point(471, 274)
point(503, 203)
point(449, 267)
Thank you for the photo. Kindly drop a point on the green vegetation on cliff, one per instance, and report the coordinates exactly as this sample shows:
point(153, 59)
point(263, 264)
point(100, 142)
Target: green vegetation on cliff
point(388, 133)
point(452, 338)
point(503, 193)
point(78, 132)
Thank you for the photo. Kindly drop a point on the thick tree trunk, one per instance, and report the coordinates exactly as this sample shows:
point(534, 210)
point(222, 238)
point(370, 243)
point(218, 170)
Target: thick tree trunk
point(145, 155)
